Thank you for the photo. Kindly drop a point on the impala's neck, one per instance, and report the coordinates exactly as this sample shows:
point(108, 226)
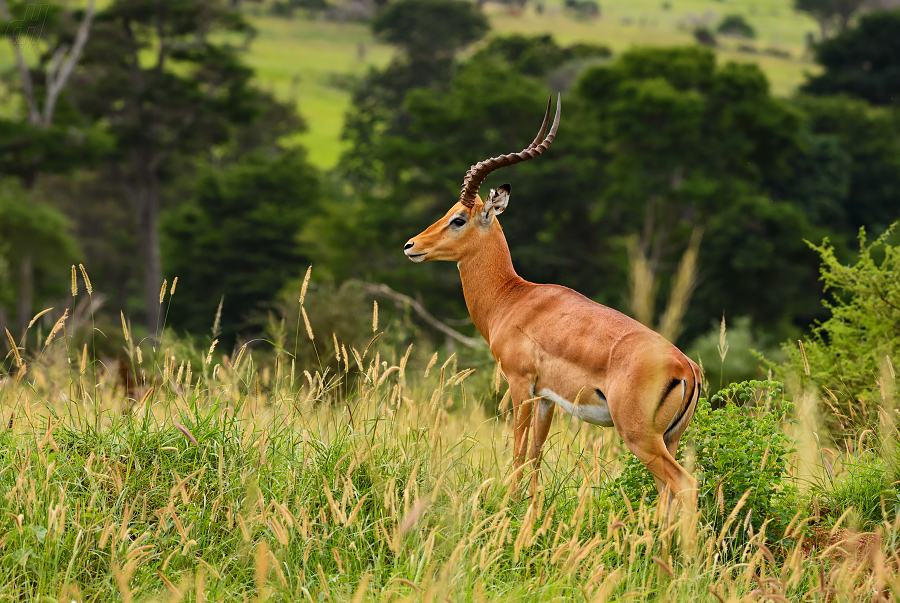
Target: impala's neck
point(488, 277)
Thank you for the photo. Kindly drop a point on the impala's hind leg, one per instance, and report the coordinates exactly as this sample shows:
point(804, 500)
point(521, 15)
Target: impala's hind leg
point(646, 442)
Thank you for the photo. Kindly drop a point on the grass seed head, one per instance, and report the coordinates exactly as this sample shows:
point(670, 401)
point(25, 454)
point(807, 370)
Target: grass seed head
point(124, 326)
point(431, 363)
point(309, 330)
point(74, 282)
point(217, 322)
point(87, 281)
point(59, 325)
point(723, 341)
point(37, 316)
point(162, 291)
point(15, 349)
point(803, 356)
point(305, 285)
point(211, 348)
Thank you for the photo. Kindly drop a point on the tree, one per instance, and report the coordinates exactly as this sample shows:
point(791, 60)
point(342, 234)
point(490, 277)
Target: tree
point(862, 61)
point(826, 12)
point(862, 176)
point(425, 29)
point(167, 83)
point(44, 136)
point(428, 34)
point(537, 55)
point(36, 249)
point(756, 264)
point(651, 146)
point(238, 239)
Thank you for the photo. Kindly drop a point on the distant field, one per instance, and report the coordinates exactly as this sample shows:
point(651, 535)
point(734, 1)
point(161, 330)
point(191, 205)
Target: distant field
point(316, 51)
point(315, 62)
point(311, 61)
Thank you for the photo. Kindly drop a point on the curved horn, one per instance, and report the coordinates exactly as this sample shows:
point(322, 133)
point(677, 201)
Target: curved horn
point(478, 172)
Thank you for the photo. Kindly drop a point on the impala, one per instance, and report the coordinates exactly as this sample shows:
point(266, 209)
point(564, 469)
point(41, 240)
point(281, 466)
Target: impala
point(557, 347)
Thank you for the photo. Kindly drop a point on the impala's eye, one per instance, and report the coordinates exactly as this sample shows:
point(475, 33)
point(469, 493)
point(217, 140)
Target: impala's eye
point(458, 222)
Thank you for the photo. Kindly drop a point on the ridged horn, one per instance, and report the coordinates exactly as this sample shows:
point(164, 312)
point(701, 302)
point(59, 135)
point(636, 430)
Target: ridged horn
point(478, 172)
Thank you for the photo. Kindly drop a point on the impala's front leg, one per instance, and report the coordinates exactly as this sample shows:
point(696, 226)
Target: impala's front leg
point(519, 391)
point(543, 418)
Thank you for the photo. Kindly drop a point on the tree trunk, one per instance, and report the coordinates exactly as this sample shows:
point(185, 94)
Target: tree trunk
point(25, 296)
point(150, 256)
point(4, 320)
point(823, 28)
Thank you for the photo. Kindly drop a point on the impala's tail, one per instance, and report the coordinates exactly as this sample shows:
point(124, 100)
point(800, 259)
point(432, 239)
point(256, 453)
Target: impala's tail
point(690, 395)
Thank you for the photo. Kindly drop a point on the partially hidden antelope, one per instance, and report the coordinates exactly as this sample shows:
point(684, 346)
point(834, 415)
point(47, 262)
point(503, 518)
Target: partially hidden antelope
point(557, 347)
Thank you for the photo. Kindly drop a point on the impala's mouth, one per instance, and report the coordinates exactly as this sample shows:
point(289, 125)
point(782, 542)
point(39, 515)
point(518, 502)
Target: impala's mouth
point(416, 257)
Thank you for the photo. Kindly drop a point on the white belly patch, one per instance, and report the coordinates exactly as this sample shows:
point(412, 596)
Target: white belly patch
point(594, 412)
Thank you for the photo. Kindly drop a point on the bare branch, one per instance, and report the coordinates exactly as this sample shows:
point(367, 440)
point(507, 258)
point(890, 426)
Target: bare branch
point(381, 289)
point(34, 116)
point(57, 82)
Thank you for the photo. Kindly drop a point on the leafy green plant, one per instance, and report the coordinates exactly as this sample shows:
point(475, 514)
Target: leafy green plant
point(849, 351)
point(739, 448)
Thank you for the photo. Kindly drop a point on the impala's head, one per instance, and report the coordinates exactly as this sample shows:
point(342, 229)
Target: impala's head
point(461, 230)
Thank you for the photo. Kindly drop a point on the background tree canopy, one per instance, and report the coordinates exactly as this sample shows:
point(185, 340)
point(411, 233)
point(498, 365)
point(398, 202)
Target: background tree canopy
point(169, 159)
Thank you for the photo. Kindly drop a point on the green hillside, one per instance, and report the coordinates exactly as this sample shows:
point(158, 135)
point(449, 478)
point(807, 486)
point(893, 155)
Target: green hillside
point(311, 60)
point(316, 61)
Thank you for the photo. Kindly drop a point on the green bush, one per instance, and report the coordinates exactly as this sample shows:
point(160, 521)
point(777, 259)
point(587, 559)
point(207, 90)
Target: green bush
point(736, 25)
point(737, 440)
point(848, 352)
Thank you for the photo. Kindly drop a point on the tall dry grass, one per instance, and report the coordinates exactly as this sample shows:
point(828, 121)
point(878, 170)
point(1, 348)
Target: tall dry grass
point(236, 480)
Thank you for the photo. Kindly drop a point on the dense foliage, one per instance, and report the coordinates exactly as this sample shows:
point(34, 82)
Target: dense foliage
point(740, 455)
point(862, 61)
point(855, 350)
point(238, 240)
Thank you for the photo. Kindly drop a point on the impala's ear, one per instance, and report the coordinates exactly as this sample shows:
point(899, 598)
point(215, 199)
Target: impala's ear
point(496, 203)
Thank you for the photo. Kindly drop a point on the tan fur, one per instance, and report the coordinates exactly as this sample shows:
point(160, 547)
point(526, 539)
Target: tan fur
point(551, 337)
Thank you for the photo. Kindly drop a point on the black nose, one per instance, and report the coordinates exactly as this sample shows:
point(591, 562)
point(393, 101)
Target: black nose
point(408, 246)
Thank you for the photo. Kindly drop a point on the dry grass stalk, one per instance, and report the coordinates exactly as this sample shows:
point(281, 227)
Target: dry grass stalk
point(124, 326)
point(87, 281)
point(305, 284)
point(803, 356)
point(217, 321)
point(36, 317)
point(670, 325)
point(210, 353)
point(431, 363)
point(15, 349)
point(309, 331)
point(337, 349)
point(59, 325)
point(643, 284)
point(722, 346)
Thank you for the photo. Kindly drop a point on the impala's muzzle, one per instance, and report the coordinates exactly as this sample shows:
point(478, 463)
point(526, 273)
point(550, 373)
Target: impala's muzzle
point(410, 250)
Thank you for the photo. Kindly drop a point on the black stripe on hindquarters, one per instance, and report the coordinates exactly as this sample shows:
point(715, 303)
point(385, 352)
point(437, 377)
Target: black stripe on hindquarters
point(672, 385)
point(686, 406)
